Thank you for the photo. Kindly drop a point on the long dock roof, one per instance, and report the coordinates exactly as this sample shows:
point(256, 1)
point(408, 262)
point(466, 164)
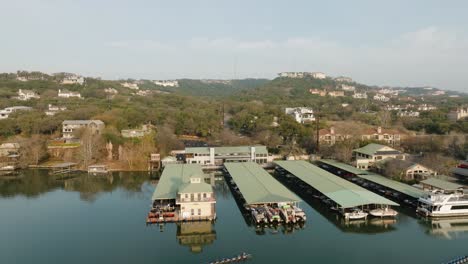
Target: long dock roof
point(341, 191)
point(173, 177)
point(379, 179)
point(257, 185)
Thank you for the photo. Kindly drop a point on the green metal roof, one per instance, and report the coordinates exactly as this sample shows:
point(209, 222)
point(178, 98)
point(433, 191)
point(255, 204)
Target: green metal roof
point(441, 184)
point(257, 185)
point(341, 191)
point(227, 150)
point(173, 177)
point(395, 185)
point(344, 167)
point(379, 179)
point(370, 149)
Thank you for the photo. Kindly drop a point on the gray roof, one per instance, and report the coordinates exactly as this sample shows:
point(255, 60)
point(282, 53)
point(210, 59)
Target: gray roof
point(376, 178)
point(258, 186)
point(441, 184)
point(227, 150)
point(372, 148)
point(460, 171)
point(82, 122)
point(173, 177)
point(341, 191)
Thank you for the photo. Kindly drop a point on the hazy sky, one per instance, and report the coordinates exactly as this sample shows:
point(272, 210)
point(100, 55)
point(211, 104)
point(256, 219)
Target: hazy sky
point(408, 43)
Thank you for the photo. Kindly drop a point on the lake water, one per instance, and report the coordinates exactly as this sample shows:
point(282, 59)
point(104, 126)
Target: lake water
point(89, 219)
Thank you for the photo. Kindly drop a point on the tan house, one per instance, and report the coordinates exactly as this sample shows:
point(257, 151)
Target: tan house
point(330, 136)
point(389, 136)
point(404, 169)
point(70, 127)
point(336, 93)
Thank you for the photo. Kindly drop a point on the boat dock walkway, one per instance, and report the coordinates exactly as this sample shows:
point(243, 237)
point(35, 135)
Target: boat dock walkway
point(387, 186)
point(342, 192)
point(257, 186)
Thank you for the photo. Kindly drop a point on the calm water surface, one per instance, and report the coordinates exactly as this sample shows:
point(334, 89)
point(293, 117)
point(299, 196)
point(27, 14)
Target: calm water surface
point(89, 219)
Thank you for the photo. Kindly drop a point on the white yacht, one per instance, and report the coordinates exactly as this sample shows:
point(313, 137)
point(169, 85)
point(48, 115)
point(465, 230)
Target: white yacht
point(355, 214)
point(440, 204)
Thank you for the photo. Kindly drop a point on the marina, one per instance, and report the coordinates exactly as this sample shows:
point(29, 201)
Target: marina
point(33, 200)
point(348, 199)
point(267, 200)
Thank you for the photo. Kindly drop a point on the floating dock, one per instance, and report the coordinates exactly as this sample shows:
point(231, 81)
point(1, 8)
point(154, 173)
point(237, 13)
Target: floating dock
point(263, 194)
point(344, 194)
point(393, 189)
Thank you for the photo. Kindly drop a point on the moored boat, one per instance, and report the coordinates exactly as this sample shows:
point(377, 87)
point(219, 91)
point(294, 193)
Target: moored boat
point(355, 214)
point(383, 212)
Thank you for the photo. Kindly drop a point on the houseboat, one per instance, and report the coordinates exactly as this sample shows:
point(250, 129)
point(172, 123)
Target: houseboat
point(444, 204)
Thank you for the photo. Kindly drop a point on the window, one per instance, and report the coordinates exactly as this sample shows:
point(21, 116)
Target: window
point(192, 212)
point(199, 211)
point(204, 195)
point(459, 207)
point(186, 196)
point(199, 197)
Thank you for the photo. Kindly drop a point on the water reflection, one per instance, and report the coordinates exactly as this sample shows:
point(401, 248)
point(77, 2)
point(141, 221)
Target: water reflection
point(33, 183)
point(450, 228)
point(196, 235)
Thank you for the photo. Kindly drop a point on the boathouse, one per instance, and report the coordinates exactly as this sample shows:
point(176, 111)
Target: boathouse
point(375, 182)
point(182, 195)
point(257, 186)
point(340, 191)
point(431, 184)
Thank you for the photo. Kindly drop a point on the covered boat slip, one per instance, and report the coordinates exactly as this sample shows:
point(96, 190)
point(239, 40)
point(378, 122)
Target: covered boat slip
point(403, 188)
point(257, 185)
point(174, 176)
point(342, 192)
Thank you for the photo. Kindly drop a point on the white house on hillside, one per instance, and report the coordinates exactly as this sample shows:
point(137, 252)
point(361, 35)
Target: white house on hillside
point(52, 110)
point(301, 114)
point(5, 113)
point(25, 95)
point(68, 94)
point(128, 85)
point(359, 95)
point(73, 79)
point(381, 98)
point(166, 83)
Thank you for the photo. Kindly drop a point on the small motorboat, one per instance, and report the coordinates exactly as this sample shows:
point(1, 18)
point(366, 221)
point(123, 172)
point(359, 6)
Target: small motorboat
point(384, 212)
point(355, 214)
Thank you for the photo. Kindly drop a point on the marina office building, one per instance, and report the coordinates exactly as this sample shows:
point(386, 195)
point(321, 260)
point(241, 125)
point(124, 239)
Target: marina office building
point(182, 195)
point(217, 156)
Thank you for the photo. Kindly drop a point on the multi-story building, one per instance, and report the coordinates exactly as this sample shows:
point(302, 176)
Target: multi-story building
point(330, 136)
point(366, 156)
point(360, 95)
point(389, 136)
point(459, 113)
point(68, 94)
point(381, 98)
point(111, 90)
point(315, 75)
point(301, 114)
point(73, 79)
point(217, 156)
point(5, 113)
point(166, 83)
point(404, 169)
point(25, 95)
point(70, 127)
